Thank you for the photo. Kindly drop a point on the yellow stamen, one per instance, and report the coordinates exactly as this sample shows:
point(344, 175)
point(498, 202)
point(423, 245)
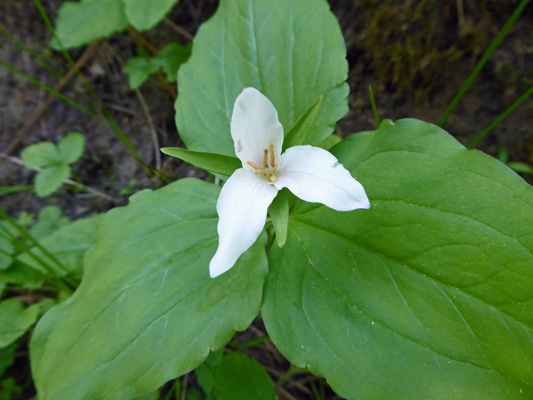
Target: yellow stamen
point(264, 171)
point(271, 176)
point(256, 168)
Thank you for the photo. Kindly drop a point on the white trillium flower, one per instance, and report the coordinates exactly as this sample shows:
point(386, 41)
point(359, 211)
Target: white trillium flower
point(311, 173)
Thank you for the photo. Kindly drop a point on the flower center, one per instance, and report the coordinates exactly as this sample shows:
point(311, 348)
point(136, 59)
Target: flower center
point(267, 171)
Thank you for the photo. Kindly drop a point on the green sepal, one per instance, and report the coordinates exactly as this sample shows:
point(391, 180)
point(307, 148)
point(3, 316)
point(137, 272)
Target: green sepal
point(217, 164)
point(279, 212)
point(297, 135)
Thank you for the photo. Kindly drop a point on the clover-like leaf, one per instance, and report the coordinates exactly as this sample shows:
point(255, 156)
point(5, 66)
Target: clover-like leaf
point(40, 155)
point(71, 147)
point(48, 180)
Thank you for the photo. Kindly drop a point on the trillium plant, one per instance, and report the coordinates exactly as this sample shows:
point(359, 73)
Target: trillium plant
point(414, 281)
point(311, 173)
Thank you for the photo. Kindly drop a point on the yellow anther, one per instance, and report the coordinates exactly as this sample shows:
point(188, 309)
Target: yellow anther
point(271, 176)
point(272, 158)
point(265, 159)
point(264, 171)
point(256, 168)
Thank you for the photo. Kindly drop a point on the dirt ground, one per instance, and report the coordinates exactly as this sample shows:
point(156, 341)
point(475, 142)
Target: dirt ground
point(415, 54)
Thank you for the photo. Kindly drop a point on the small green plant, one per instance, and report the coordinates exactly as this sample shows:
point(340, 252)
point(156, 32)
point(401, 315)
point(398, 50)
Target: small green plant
point(520, 167)
point(53, 162)
point(80, 23)
point(168, 61)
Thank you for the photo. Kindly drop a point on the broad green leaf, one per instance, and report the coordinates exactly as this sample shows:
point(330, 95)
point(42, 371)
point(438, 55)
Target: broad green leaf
point(239, 377)
point(15, 320)
point(293, 52)
point(71, 147)
point(139, 70)
point(49, 179)
point(68, 244)
point(146, 310)
point(300, 130)
point(215, 163)
point(79, 23)
point(41, 155)
point(425, 295)
point(144, 15)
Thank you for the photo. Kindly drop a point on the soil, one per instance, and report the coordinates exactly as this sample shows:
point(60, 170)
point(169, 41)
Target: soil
point(415, 54)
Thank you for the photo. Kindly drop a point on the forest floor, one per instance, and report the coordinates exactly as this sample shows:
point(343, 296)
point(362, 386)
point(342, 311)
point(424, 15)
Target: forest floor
point(415, 54)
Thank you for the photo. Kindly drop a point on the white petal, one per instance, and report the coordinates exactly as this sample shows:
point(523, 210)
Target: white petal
point(254, 125)
point(315, 175)
point(242, 209)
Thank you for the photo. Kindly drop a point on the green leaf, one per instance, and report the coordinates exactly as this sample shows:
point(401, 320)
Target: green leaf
point(239, 377)
point(300, 131)
point(521, 167)
point(7, 357)
point(329, 142)
point(139, 70)
point(171, 57)
point(279, 212)
point(41, 155)
point(425, 295)
point(82, 22)
point(146, 310)
point(292, 52)
point(22, 275)
point(50, 220)
point(49, 179)
point(215, 163)
point(68, 244)
point(15, 320)
point(6, 251)
point(71, 147)
point(204, 373)
point(144, 15)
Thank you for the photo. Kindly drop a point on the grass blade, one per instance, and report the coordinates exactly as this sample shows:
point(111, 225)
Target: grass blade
point(495, 43)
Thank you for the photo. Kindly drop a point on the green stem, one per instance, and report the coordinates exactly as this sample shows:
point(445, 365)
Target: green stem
point(374, 108)
point(57, 281)
point(32, 240)
point(501, 117)
point(495, 43)
point(50, 90)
